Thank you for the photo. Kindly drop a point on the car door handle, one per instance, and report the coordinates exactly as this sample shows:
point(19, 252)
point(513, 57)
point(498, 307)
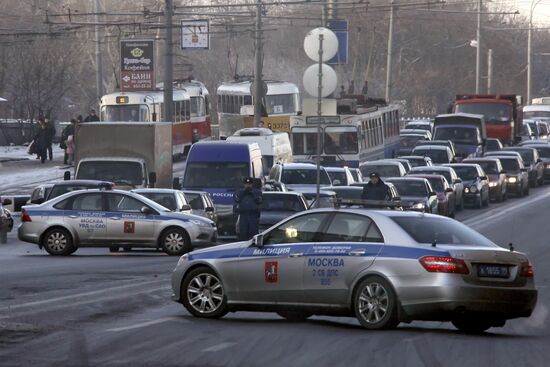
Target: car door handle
point(73, 216)
point(296, 254)
point(357, 252)
point(114, 218)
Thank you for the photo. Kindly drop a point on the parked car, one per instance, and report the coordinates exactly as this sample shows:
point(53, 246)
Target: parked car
point(532, 162)
point(418, 160)
point(445, 194)
point(277, 206)
point(476, 183)
point(452, 178)
point(62, 187)
point(174, 200)
point(416, 194)
point(201, 204)
point(496, 174)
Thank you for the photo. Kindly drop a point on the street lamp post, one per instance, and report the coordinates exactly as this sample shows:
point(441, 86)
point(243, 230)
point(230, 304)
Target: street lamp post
point(478, 48)
point(529, 51)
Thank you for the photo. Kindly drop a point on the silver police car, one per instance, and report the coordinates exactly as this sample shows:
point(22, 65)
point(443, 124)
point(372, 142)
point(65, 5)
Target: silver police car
point(111, 218)
point(383, 267)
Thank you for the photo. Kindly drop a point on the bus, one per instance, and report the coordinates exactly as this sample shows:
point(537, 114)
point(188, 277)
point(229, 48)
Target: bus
point(348, 139)
point(236, 111)
point(191, 111)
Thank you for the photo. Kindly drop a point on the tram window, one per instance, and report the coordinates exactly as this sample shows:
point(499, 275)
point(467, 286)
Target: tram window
point(340, 140)
point(196, 106)
point(187, 107)
point(280, 104)
point(206, 106)
point(248, 100)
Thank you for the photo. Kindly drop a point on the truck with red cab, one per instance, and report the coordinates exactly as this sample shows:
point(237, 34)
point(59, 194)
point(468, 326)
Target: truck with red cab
point(503, 113)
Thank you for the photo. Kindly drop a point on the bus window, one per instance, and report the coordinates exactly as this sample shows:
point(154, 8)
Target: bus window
point(304, 141)
point(340, 140)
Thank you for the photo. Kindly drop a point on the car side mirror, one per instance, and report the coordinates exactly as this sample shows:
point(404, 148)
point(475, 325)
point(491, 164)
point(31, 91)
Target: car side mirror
point(258, 240)
point(66, 175)
point(457, 180)
point(483, 178)
point(146, 210)
point(448, 189)
point(431, 193)
point(6, 202)
point(185, 207)
point(523, 170)
point(209, 209)
point(503, 171)
point(539, 160)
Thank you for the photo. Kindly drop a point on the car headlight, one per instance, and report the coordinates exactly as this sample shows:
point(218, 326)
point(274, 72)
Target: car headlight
point(512, 179)
point(473, 189)
point(418, 206)
point(493, 184)
point(466, 190)
point(199, 222)
point(548, 166)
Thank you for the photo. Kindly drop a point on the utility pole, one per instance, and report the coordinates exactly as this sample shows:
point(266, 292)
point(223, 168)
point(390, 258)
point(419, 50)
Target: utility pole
point(319, 114)
point(258, 82)
point(490, 71)
point(478, 48)
point(98, 56)
point(529, 49)
point(389, 59)
point(168, 86)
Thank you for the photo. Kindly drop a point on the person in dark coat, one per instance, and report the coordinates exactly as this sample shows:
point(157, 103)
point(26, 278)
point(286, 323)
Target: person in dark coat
point(50, 134)
point(376, 189)
point(247, 205)
point(67, 131)
point(351, 87)
point(365, 89)
point(40, 144)
point(92, 117)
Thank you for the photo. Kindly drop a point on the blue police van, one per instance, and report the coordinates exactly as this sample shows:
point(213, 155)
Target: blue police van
point(218, 167)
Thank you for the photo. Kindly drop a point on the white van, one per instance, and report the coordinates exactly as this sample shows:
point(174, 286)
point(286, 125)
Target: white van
point(275, 146)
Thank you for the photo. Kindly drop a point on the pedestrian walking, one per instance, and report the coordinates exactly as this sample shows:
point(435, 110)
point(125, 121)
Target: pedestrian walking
point(247, 205)
point(376, 189)
point(92, 116)
point(40, 141)
point(50, 134)
point(67, 131)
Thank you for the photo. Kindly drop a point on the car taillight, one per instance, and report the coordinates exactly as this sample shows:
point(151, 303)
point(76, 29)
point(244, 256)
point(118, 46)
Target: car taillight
point(527, 270)
point(25, 217)
point(442, 264)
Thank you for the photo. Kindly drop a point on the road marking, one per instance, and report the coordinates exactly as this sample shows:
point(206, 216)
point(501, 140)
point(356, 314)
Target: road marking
point(79, 295)
point(218, 347)
point(499, 212)
point(147, 323)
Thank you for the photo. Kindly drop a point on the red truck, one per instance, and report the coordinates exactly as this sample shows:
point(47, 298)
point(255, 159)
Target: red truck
point(503, 113)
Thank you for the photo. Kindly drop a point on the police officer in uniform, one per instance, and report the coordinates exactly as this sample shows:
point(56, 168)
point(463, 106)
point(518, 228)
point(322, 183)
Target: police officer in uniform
point(376, 189)
point(247, 207)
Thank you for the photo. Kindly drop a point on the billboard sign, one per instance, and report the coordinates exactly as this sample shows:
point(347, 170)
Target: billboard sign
point(137, 67)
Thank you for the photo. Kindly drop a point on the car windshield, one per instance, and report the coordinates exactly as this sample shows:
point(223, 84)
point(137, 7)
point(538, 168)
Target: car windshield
point(437, 156)
point(493, 112)
point(127, 113)
point(303, 177)
point(526, 155)
point(383, 170)
point(287, 203)
point(165, 199)
point(215, 174)
point(409, 141)
point(418, 126)
point(466, 173)
point(535, 114)
point(459, 135)
point(340, 140)
point(444, 173)
point(410, 187)
point(490, 168)
point(119, 172)
point(492, 145)
point(510, 164)
point(340, 176)
point(544, 152)
point(424, 229)
point(437, 184)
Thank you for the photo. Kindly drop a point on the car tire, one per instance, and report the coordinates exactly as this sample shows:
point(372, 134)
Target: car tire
point(375, 304)
point(294, 316)
point(471, 325)
point(175, 242)
point(203, 294)
point(114, 248)
point(58, 242)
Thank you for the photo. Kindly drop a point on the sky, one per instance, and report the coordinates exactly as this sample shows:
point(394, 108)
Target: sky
point(541, 13)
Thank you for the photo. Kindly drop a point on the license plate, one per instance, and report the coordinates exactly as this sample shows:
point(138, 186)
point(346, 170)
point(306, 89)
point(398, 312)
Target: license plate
point(493, 271)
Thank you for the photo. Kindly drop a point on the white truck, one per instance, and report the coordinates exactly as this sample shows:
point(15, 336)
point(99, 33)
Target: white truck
point(129, 154)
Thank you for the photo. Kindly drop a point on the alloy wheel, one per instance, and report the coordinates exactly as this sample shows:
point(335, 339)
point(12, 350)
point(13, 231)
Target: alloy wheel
point(205, 293)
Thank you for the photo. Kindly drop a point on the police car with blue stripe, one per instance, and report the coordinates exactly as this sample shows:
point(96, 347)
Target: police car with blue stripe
point(383, 267)
point(111, 218)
